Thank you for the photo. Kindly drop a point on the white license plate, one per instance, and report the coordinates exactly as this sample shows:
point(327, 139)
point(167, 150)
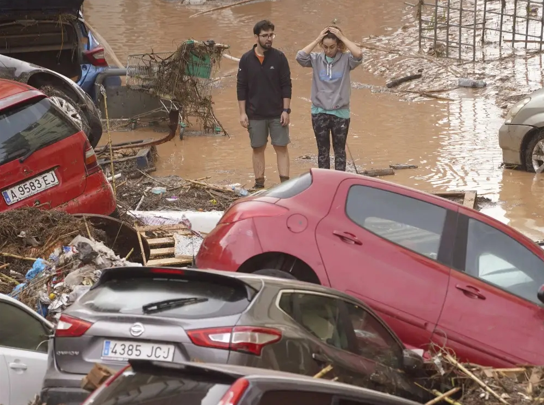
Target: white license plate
point(30, 187)
point(120, 350)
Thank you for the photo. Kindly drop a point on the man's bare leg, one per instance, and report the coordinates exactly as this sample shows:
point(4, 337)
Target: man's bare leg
point(282, 154)
point(258, 166)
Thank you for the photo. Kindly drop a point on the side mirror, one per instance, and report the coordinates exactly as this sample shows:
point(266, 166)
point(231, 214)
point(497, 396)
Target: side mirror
point(540, 294)
point(413, 363)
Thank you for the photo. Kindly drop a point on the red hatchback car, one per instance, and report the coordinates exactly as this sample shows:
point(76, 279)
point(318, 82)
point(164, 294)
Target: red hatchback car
point(45, 160)
point(437, 272)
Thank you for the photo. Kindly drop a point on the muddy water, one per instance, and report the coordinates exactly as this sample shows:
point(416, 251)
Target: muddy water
point(453, 143)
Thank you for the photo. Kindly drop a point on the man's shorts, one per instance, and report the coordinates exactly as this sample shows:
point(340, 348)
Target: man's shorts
point(260, 129)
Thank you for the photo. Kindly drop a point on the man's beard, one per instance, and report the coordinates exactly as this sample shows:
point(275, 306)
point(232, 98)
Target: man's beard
point(265, 45)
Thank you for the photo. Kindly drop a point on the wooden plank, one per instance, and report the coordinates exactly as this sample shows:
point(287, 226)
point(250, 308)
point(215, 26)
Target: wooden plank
point(162, 252)
point(170, 261)
point(470, 199)
point(160, 241)
point(447, 194)
point(170, 227)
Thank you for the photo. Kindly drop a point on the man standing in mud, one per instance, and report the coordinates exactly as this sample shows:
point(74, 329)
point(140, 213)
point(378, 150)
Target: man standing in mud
point(264, 98)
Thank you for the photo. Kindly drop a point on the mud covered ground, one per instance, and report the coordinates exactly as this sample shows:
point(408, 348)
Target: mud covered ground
point(510, 73)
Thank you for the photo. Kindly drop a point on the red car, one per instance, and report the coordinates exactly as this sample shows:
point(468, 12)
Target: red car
point(436, 271)
point(45, 160)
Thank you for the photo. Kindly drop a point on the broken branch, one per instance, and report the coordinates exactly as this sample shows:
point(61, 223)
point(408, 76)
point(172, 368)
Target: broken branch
point(443, 396)
point(30, 259)
point(211, 10)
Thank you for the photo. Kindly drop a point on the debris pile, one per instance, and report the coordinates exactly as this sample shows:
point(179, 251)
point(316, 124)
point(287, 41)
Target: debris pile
point(172, 193)
point(47, 262)
point(469, 384)
point(183, 77)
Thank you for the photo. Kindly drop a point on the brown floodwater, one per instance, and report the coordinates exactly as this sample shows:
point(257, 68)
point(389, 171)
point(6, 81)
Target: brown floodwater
point(453, 143)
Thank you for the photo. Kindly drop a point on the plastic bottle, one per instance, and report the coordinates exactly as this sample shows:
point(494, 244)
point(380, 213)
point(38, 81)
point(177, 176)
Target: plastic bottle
point(471, 83)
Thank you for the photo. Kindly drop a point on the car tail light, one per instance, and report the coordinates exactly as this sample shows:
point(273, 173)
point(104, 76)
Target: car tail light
point(235, 392)
point(71, 327)
point(240, 338)
point(251, 209)
point(91, 161)
point(97, 57)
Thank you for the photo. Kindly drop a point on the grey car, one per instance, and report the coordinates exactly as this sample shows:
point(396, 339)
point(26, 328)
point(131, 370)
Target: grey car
point(175, 315)
point(153, 383)
point(521, 137)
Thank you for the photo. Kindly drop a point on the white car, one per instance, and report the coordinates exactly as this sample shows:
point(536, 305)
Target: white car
point(24, 336)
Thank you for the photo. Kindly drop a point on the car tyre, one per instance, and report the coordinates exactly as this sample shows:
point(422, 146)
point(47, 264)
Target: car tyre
point(535, 147)
point(275, 273)
point(69, 107)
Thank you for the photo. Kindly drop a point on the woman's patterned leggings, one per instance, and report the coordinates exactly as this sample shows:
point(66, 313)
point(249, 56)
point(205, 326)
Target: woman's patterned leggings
point(324, 125)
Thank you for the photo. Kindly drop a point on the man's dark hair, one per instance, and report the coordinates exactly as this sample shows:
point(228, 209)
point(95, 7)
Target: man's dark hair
point(263, 25)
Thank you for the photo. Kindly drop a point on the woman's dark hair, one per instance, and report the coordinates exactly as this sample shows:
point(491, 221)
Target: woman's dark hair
point(263, 25)
point(330, 35)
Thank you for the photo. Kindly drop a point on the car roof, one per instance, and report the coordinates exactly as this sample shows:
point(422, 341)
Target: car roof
point(12, 93)
point(252, 373)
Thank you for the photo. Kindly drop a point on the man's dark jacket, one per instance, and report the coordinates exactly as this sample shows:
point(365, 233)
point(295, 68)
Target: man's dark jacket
point(264, 87)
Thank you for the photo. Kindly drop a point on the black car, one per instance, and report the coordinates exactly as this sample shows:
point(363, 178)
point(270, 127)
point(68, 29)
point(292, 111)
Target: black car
point(41, 45)
point(242, 319)
point(155, 383)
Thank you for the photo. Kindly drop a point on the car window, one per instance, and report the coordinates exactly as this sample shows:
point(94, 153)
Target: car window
point(20, 330)
point(406, 221)
point(318, 314)
point(141, 388)
point(30, 127)
point(496, 258)
point(128, 296)
point(373, 340)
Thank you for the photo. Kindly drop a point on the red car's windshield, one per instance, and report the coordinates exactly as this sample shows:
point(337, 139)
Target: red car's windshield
point(30, 127)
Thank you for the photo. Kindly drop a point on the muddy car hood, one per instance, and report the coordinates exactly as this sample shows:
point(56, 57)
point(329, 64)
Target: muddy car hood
point(21, 8)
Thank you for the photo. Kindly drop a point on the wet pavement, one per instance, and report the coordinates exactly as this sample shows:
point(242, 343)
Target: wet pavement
point(454, 143)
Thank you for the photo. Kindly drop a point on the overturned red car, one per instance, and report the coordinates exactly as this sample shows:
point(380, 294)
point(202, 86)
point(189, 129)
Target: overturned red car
point(45, 160)
point(436, 271)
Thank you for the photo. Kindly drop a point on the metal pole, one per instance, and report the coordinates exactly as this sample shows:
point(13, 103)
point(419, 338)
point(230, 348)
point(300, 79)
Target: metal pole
point(483, 29)
point(515, 20)
point(420, 18)
point(460, 26)
point(527, 11)
point(474, 33)
point(448, 30)
point(503, 6)
point(435, 23)
point(541, 28)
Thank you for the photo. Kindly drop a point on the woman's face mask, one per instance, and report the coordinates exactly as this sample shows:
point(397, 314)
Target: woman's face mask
point(330, 47)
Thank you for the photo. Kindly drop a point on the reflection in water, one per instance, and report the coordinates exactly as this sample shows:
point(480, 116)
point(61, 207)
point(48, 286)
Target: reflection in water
point(454, 143)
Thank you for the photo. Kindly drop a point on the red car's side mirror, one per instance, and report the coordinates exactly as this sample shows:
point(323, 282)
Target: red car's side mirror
point(540, 294)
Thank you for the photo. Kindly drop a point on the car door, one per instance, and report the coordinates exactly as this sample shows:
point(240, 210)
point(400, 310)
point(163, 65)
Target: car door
point(23, 346)
point(392, 251)
point(492, 315)
point(323, 325)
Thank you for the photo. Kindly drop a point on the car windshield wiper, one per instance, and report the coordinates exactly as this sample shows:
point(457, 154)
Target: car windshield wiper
point(169, 304)
point(27, 154)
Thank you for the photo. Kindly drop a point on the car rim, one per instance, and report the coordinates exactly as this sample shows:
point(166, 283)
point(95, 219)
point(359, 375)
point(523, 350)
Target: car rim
point(68, 109)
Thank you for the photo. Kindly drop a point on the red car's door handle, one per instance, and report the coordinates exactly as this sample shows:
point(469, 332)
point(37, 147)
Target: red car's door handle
point(470, 291)
point(348, 237)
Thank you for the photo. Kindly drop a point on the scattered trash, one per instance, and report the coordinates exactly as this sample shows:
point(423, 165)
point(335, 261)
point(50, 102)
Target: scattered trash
point(186, 245)
point(199, 221)
point(158, 190)
point(471, 83)
point(96, 377)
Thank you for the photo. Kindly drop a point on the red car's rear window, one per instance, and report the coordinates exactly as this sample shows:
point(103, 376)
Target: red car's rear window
point(30, 127)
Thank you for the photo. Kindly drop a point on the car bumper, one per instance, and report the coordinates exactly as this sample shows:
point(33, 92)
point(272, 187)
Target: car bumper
point(98, 198)
point(228, 246)
point(510, 139)
point(64, 396)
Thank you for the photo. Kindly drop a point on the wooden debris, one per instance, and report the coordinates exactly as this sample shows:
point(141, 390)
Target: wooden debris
point(211, 10)
point(96, 377)
point(403, 166)
point(378, 172)
point(323, 372)
point(398, 82)
point(442, 397)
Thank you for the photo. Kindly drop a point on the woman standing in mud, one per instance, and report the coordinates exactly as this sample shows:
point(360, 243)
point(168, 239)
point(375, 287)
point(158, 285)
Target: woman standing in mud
point(331, 91)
